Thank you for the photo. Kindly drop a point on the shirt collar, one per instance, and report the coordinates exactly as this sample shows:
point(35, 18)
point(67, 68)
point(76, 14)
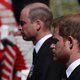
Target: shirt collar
point(41, 41)
point(72, 67)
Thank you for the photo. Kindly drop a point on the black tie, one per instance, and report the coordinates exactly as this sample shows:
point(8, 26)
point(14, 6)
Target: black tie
point(64, 77)
point(32, 67)
point(34, 56)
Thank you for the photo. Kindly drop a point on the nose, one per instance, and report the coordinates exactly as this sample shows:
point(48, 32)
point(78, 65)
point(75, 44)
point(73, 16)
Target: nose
point(52, 46)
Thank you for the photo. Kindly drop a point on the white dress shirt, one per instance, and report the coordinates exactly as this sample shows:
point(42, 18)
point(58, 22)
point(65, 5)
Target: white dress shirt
point(41, 41)
point(72, 67)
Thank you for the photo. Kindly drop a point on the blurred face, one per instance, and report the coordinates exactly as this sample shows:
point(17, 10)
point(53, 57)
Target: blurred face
point(27, 28)
point(60, 48)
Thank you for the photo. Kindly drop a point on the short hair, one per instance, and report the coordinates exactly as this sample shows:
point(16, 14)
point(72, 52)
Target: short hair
point(44, 14)
point(69, 25)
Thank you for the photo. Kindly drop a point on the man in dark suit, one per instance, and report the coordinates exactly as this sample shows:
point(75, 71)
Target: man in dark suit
point(67, 46)
point(35, 24)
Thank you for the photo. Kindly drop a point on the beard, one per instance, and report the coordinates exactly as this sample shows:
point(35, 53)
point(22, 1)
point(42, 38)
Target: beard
point(61, 56)
point(64, 58)
point(24, 38)
point(29, 38)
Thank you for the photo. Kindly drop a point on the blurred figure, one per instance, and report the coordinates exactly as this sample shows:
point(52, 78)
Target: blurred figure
point(1, 48)
point(67, 46)
point(35, 25)
point(1, 55)
point(13, 62)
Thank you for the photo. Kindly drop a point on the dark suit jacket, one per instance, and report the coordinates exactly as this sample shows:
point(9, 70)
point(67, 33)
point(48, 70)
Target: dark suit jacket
point(44, 66)
point(75, 75)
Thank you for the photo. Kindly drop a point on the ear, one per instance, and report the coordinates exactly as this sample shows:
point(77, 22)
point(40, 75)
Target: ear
point(38, 25)
point(70, 39)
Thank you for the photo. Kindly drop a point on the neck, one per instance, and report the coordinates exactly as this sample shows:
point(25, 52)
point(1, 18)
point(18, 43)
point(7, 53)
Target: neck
point(40, 36)
point(73, 58)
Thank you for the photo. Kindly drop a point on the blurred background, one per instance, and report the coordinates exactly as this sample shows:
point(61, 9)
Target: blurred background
point(9, 20)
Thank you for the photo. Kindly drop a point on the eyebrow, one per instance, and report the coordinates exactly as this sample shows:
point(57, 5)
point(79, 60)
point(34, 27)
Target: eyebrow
point(22, 23)
point(55, 40)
